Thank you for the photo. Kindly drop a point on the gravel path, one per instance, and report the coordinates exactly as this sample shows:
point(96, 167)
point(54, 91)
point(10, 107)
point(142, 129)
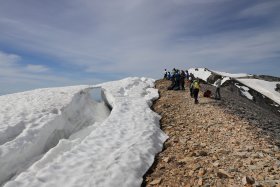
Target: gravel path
point(231, 142)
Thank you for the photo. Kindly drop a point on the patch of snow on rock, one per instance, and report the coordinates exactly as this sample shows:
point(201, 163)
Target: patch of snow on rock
point(245, 91)
point(264, 87)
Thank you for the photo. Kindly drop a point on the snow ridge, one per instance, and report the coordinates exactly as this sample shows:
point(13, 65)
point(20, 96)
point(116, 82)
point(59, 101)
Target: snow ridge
point(116, 152)
point(43, 132)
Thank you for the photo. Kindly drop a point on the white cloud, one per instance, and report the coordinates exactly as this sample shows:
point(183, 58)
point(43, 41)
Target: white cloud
point(36, 68)
point(8, 59)
point(138, 37)
point(14, 76)
point(261, 9)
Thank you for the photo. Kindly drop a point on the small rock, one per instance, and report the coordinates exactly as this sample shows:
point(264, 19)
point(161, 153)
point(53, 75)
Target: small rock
point(191, 173)
point(261, 155)
point(201, 172)
point(255, 155)
point(156, 181)
point(257, 184)
point(216, 164)
point(166, 159)
point(233, 169)
point(276, 148)
point(185, 160)
point(267, 151)
point(202, 153)
point(223, 174)
point(248, 180)
point(196, 167)
point(200, 182)
point(242, 154)
point(249, 148)
point(203, 145)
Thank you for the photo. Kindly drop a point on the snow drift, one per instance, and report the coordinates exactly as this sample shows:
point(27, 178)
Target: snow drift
point(60, 137)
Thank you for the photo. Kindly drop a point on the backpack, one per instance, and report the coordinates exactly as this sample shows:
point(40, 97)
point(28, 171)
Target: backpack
point(207, 93)
point(196, 85)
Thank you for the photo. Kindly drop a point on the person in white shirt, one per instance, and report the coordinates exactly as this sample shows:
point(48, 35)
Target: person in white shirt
point(218, 85)
point(165, 74)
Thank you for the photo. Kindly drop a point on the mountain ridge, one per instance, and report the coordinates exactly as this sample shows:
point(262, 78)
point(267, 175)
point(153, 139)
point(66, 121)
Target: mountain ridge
point(232, 142)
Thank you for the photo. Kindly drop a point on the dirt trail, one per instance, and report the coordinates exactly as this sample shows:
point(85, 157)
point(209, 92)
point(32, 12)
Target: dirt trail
point(212, 144)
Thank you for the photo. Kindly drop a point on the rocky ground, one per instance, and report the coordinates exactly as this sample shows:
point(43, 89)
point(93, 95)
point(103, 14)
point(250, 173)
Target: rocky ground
point(232, 142)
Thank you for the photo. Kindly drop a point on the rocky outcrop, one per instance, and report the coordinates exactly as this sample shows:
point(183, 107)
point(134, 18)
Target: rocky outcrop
point(277, 88)
point(232, 142)
point(268, 78)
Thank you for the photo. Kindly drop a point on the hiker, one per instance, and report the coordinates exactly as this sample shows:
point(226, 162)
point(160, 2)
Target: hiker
point(182, 79)
point(218, 85)
point(177, 80)
point(191, 86)
point(172, 78)
point(168, 75)
point(187, 74)
point(196, 88)
point(165, 74)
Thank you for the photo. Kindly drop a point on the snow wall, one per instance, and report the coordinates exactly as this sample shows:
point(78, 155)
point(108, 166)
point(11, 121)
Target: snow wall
point(24, 144)
point(82, 145)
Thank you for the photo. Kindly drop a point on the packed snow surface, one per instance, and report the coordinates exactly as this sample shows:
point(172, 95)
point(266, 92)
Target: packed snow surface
point(201, 73)
point(232, 75)
point(264, 87)
point(61, 137)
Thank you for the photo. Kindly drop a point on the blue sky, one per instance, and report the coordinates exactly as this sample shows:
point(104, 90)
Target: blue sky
point(70, 42)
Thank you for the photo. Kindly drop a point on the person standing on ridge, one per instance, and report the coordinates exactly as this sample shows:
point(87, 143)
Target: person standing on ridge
point(196, 88)
point(187, 74)
point(165, 74)
point(218, 85)
point(182, 79)
point(191, 86)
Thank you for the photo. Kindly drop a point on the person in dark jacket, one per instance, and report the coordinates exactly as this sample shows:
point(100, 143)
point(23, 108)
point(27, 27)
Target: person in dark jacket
point(177, 80)
point(182, 80)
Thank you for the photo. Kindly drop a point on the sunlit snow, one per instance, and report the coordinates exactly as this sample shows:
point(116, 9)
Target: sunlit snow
point(245, 91)
point(61, 137)
point(264, 87)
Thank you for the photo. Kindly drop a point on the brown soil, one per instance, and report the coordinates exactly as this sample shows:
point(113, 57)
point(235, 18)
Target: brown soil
point(215, 143)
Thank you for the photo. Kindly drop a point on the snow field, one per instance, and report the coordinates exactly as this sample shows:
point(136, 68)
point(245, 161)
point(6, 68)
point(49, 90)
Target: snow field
point(115, 152)
point(201, 73)
point(232, 75)
point(53, 114)
point(264, 87)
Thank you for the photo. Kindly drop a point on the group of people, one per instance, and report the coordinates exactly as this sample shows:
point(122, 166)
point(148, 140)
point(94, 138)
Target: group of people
point(178, 77)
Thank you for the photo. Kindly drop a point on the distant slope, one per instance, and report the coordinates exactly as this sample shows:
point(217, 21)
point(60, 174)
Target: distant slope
point(260, 89)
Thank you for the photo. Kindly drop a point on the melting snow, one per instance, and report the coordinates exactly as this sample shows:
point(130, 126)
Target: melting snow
point(201, 73)
point(264, 87)
point(61, 137)
point(245, 91)
point(232, 75)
